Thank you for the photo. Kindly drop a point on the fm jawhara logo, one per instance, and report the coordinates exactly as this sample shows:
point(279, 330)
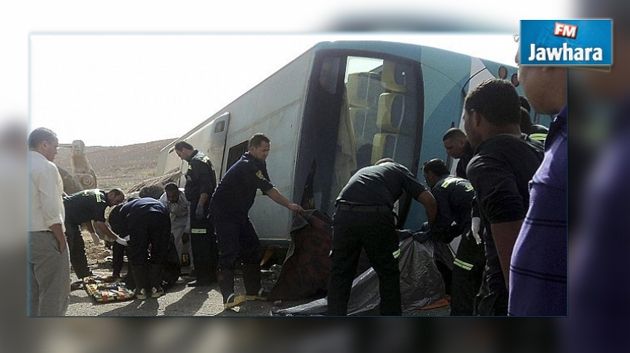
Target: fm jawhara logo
point(584, 42)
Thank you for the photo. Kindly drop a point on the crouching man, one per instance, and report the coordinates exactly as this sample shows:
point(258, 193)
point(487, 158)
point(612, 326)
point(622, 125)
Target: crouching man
point(147, 223)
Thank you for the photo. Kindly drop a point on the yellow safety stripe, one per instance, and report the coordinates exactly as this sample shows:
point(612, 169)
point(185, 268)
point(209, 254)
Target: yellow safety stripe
point(462, 264)
point(198, 231)
point(538, 137)
point(396, 254)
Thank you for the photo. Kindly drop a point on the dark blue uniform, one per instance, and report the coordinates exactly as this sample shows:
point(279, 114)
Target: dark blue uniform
point(147, 223)
point(81, 207)
point(236, 236)
point(200, 179)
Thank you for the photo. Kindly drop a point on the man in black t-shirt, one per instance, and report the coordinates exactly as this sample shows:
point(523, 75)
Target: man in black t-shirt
point(504, 163)
point(364, 220)
point(84, 207)
point(236, 237)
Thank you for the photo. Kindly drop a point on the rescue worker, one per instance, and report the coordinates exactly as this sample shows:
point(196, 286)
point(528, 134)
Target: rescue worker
point(88, 206)
point(147, 224)
point(457, 146)
point(534, 131)
point(201, 181)
point(454, 197)
point(236, 235)
point(364, 219)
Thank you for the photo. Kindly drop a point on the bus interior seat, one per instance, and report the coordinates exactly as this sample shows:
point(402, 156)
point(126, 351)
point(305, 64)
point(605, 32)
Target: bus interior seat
point(383, 146)
point(390, 112)
point(391, 79)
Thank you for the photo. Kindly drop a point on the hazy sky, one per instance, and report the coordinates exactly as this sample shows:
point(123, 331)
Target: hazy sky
point(160, 81)
point(123, 89)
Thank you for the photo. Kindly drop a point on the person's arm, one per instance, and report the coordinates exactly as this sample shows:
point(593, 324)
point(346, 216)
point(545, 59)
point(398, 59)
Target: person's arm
point(504, 235)
point(430, 205)
point(278, 198)
point(103, 229)
point(440, 229)
point(50, 189)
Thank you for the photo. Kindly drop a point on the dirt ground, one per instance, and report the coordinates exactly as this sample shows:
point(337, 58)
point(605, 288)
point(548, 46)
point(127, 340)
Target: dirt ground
point(179, 301)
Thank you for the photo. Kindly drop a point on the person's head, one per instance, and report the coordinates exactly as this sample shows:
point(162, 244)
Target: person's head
point(544, 86)
point(259, 146)
point(184, 150)
point(455, 142)
point(384, 160)
point(44, 141)
point(115, 197)
point(434, 170)
point(152, 191)
point(491, 108)
point(172, 192)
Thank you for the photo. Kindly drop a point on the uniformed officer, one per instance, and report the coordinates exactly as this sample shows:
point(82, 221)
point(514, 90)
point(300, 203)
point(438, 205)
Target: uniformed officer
point(200, 183)
point(454, 197)
point(147, 223)
point(236, 236)
point(364, 220)
point(84, 207)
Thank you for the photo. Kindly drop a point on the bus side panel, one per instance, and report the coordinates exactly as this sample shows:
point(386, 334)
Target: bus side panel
point(274, 108)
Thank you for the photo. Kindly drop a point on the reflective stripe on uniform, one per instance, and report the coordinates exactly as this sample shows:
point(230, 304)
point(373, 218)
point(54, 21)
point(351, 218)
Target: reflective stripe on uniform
point(541, 137)
point(198, 231)
point(462, 264)
point(396, 254)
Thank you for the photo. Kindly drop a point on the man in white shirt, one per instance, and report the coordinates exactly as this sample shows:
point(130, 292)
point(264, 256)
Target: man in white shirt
point(49, 261)
point(179, 208)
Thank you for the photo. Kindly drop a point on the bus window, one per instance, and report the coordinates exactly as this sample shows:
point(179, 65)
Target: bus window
point(235, 152)
point(379, 116)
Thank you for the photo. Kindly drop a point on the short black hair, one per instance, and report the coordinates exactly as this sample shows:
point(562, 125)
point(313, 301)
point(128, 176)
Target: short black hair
point(171, 187)
point(497, 100)
point(384, 160)
point(257, 139)
point(453, 132)
point(39, 135)
point(436, 166)
point(183, 144)
point(152, 191)
point(117, 192)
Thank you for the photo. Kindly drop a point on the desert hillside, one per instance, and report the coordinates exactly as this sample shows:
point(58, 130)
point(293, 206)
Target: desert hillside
point(119, 166)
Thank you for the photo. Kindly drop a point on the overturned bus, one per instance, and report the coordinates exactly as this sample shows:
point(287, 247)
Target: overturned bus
point(336, 108)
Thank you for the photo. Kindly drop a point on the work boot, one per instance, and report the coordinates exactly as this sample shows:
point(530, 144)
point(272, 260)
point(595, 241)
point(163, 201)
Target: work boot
point(157, 292)
point(260, 295)
point(232, 301)
point(226, 281)
point(141, 294)
point(251, 278)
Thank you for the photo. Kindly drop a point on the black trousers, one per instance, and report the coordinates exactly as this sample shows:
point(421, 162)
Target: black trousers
point(148, 246)
point(204, 247)
point(467, 275)
point(237, 240)
point(374, 232)
point(76, 245)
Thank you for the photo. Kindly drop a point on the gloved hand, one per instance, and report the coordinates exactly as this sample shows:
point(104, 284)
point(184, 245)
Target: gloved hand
point(95, 238)
point(199, 212)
